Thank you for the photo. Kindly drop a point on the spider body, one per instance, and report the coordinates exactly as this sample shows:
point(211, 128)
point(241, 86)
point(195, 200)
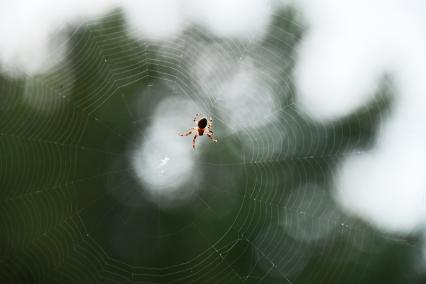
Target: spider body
point(202, 125)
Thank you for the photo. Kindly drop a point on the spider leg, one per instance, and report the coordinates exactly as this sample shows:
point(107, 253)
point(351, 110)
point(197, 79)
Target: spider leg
point(210, 135)
point(188, 132)
point(196, 118)
point(193, 141)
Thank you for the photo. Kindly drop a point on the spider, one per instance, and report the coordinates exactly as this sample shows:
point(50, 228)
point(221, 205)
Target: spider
point(201, 125)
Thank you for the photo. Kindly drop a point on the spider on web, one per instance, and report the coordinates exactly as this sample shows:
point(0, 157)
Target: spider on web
point(202, 125)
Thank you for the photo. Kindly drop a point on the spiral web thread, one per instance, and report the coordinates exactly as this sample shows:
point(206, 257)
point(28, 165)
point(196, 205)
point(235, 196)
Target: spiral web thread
point(270, 220)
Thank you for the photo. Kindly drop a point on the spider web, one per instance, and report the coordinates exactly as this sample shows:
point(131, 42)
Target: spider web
point(72, 209)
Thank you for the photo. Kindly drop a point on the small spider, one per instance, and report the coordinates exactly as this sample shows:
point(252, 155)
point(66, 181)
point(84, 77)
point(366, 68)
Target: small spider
point(201, 125)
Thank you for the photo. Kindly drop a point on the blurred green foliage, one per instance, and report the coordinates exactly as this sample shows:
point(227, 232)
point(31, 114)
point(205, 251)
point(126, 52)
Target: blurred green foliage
point(72, 210)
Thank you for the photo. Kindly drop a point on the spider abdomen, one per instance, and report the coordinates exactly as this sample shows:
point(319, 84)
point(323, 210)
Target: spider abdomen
point(202, 123)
